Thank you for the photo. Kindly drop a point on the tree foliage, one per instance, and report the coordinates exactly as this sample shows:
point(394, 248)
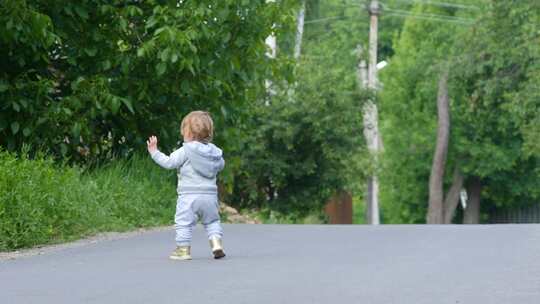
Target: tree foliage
point(408, 112)
point(493, 107)
point(91, 78)
point(498, 108)
point(304, 143)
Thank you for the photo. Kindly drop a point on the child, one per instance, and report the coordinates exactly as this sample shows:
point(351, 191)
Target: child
point(198, 162)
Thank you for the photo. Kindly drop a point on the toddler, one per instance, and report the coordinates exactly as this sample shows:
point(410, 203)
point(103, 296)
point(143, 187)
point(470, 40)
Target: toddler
point(197, 162)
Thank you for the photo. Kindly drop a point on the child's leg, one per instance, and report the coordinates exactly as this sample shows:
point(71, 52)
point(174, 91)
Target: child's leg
point(185, 219)
point(207, 207)
point(213, 229)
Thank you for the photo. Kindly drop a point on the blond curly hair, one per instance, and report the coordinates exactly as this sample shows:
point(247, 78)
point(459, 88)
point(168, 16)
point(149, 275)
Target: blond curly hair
point(198, 125)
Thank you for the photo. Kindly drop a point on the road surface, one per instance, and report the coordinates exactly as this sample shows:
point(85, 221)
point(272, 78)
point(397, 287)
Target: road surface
point(292, 264)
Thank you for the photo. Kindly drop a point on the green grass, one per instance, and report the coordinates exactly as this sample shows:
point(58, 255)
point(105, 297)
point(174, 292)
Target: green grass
point(42, 202)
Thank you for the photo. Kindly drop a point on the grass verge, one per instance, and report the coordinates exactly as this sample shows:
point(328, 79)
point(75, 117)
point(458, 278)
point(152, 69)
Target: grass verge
point(42, 202)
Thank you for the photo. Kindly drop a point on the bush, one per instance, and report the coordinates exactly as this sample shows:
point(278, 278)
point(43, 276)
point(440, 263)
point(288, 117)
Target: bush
point(43, 202)
point(91, 79)
point(295, 154)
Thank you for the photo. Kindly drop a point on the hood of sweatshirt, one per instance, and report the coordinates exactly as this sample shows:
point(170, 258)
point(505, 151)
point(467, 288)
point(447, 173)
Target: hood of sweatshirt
point(206, 159)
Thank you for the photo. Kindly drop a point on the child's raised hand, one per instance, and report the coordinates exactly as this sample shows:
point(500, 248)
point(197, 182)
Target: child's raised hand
point(152, 144)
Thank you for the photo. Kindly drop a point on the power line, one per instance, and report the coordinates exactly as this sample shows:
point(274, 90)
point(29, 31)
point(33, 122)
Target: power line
point(442, 4)
point(327, 19)
point(428, 15)
point(425, 18)
point(401, 13)
point(428, 2)
point(405, 13)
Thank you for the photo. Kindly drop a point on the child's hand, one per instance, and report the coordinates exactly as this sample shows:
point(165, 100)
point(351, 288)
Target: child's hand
point(152, 144)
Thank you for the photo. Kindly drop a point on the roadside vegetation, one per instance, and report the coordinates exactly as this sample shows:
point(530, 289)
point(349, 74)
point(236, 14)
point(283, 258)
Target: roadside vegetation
point(43, 201)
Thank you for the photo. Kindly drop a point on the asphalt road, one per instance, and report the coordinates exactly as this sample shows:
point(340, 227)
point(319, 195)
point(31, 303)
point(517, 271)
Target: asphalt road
point(292, 264)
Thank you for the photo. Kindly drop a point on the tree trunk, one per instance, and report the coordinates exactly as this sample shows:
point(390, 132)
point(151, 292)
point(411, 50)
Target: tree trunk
point(452, 196)
point(472, 212)
point(435, 208)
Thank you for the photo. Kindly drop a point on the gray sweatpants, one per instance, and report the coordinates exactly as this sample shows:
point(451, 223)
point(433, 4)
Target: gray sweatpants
point(190, 208)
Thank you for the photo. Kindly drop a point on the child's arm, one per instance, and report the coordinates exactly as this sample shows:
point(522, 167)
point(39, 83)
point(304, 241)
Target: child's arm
point(221, 164)
point(175, 160)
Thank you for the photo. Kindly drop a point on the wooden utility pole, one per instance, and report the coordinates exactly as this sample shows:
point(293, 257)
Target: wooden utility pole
point(271, 42)
point(299, 30)
point(373, 37)
point(371, 127)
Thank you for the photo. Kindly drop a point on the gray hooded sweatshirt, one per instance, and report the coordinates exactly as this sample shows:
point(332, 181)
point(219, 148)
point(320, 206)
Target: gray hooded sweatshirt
point(198, 165)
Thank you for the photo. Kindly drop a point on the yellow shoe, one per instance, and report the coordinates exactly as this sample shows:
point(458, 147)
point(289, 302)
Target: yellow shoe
point(217, 247)
point(181, 253)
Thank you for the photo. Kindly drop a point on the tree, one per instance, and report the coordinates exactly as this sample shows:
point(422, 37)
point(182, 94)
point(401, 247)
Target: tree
point(495, 65)
point(435, 213)
point(91, 79)
point(489, 84)
point(408, 111)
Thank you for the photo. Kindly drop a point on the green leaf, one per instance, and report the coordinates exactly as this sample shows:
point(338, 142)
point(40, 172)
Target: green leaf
point(160, 68)
point(41, 120)
point(91, 52)
point(67, 111)
point(114, 104)
point(26, 132)
point(75, 84)
point(3, 123)
point(76, 130)
point(106, 64)
point(128, 104)
point(151, 22)
point(68, 10)
point(63, 149)
point(174, 57)
point(159, 30)
point(184, 86)
point(16, 106)
point(123, 24)
point(122, 45)
point(140, 52)
point(15, 127)
point(224, 111)
point(3, 86)
point(81, 12)
point(164, 55)
point(71, 60)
